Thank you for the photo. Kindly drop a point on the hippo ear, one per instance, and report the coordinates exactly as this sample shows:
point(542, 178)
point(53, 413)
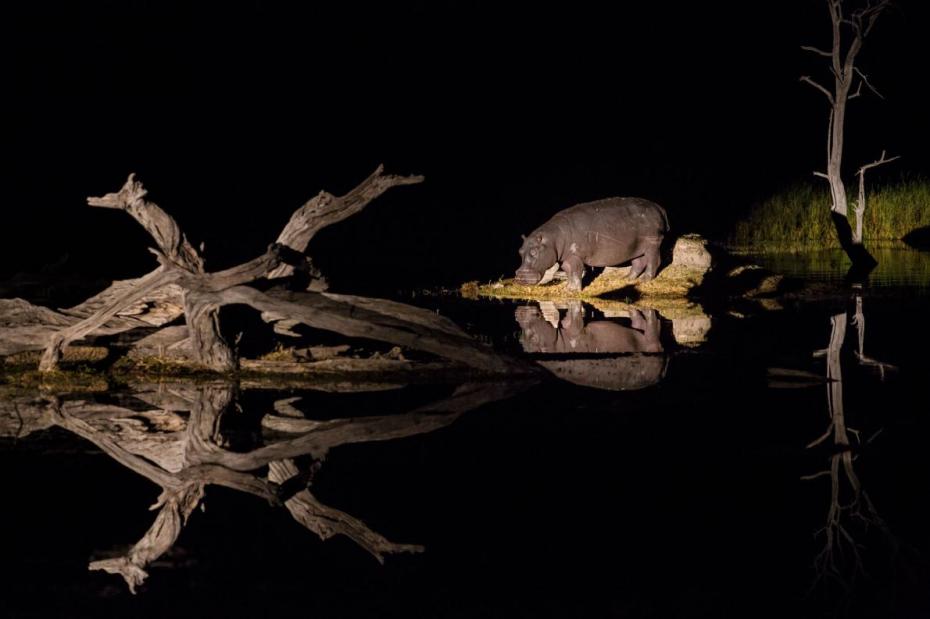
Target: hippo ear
point(522, 237)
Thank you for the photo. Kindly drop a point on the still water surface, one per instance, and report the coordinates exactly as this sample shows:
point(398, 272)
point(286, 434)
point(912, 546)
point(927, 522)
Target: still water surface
point(897, 266)
point(746, 465)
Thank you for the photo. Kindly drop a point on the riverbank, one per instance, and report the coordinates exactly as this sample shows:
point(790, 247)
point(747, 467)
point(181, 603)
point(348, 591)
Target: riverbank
point(695, 270)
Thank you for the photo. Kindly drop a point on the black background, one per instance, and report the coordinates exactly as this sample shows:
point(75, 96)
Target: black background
point(234, 113)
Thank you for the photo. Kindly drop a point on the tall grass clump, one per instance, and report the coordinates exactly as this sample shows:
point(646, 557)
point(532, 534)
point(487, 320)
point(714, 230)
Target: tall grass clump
point(798, 218)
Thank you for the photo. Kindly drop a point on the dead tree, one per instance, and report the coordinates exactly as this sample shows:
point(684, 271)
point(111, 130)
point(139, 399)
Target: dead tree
point(842, 59)
point(181, 285)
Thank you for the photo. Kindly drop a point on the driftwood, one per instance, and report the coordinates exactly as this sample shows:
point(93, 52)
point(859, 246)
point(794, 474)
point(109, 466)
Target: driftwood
point(181, 285)
point(173, 436)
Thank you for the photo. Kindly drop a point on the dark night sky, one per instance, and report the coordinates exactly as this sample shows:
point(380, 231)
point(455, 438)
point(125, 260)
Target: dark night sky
point(234, 113)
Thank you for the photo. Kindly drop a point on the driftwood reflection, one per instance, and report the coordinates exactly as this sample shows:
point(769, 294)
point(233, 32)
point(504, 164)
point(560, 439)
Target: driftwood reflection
point(176, 439)
point(851, 512)
point(603, 354)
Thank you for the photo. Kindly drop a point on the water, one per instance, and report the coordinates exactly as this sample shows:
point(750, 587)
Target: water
point(742, 464)
point(897, 266)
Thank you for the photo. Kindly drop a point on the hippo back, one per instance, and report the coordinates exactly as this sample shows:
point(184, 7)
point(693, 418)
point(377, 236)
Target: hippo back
point(637, 213)
point(611, 230)
point(626, 373)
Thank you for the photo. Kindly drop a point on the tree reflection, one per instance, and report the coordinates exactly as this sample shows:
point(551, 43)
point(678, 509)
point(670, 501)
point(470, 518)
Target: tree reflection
point(851, 513)
point(179, 442)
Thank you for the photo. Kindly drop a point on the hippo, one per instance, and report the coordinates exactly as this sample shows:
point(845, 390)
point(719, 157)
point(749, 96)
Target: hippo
point(599, 234)
point(581, 352)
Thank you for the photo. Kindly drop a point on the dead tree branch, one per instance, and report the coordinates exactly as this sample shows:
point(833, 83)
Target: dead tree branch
point(181, 285)
point(829, 95)
point(818, 51)
point(326, 209)
point(164, 230)
point(859, 210)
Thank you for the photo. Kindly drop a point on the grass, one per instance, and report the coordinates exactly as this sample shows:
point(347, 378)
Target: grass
point(672, 281)
point(668, 293)
point(798, 218)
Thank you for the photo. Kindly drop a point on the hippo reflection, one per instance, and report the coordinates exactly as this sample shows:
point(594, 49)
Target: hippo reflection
point(592, 345)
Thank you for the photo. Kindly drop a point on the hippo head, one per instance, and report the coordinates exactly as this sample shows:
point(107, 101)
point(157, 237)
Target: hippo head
point(537, 335)
point(538, 255)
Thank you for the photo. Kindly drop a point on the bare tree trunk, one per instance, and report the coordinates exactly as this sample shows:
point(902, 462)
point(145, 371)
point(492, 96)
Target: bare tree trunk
point(207, 343)
point(842, 66)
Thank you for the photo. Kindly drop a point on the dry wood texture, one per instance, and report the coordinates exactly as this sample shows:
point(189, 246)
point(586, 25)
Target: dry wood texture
point(181, 285)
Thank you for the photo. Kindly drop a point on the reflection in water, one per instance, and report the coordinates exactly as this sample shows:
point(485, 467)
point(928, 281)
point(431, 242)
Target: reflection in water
point(851, 511)
point(897, 265)
point(177, 441)
point(602, 353)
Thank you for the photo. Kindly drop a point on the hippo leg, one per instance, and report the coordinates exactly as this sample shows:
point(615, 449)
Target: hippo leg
point(637, 320)
point(574, 269)
point(645, 319)
point(653, 259)
point(637, 266)
point(549, 275)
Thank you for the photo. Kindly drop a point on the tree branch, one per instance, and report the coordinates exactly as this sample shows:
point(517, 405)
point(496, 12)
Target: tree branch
point(880, 161)
point(145, 286)
point(176, 507)
point(326, 209)
point(807, 79)
point(819, 52)
point(857, 93)
point(865, 80)
point(327, 521)
point(163, 228)
point(334, 314)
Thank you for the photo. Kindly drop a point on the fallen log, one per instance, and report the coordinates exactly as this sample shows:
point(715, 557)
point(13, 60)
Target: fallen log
point(181, 286)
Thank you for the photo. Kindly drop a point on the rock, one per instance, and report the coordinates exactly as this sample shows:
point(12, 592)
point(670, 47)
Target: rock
point(752, 280)
point(691, 330)
point(691, 251)
point(743, 268)
point(769, 285)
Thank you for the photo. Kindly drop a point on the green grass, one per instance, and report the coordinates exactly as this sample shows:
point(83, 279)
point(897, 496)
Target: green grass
point(798, 218)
